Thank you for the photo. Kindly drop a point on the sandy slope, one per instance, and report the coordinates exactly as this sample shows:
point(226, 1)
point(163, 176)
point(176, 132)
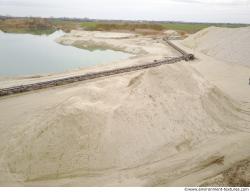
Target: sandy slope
point(223, 45)
point(230, 45)
point(167, 126)
point(131, 43)
point(223, 59)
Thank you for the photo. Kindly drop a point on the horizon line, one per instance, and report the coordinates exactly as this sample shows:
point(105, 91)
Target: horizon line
point(135, 20)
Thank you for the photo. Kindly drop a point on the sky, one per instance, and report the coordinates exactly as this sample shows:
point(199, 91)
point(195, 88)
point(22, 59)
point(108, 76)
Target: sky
point(229, 11)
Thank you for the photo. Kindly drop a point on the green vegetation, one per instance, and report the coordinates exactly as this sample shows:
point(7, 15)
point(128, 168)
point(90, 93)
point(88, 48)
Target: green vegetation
point(32, 25)
point(195, 27)
point(121, 26)
point(89, 25)
point(30, 31)
point(47, 26)
point(181, 27)
point(65, 25)
point(185, 27)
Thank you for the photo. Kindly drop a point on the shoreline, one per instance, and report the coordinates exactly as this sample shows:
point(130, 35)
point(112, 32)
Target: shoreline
point(134, 44)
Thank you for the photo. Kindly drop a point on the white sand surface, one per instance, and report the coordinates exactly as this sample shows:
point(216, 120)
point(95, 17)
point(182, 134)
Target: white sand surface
point(227, 44)
point(131, 43)
point(226, 61)
point(175, 125)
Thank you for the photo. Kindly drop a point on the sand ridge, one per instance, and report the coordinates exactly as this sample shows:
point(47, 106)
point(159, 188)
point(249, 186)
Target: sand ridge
point(230, 45)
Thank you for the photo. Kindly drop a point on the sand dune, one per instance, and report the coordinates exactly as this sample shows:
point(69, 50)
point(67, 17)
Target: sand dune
point(230, 45)
point(167, 126)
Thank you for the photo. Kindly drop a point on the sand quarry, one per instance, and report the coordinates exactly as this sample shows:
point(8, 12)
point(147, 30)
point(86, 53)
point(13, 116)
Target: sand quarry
point(185, 124)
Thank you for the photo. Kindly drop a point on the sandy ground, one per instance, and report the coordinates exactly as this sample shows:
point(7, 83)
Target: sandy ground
point(131, 43)
point(226, 59)
point(230, 45)
point(185, 124)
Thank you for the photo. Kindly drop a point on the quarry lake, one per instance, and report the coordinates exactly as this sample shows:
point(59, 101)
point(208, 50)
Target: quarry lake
point(26, 54)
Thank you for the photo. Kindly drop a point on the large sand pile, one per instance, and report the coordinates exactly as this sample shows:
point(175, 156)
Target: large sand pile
point(227, 44)
point(146, 128)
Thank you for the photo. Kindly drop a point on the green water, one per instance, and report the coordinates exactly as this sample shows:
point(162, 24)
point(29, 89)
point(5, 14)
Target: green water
point(25, 54)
